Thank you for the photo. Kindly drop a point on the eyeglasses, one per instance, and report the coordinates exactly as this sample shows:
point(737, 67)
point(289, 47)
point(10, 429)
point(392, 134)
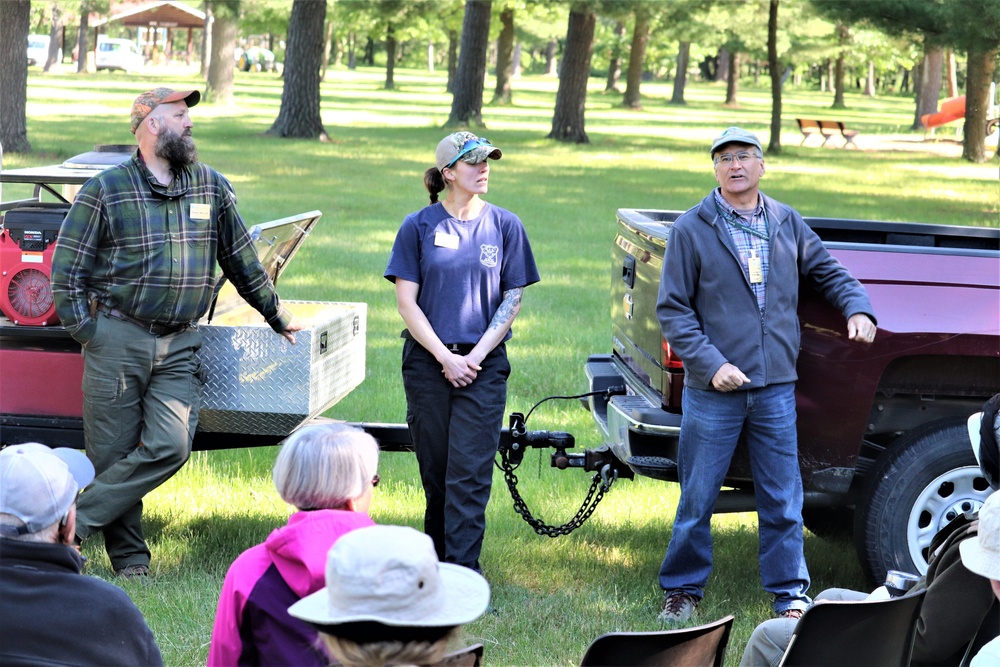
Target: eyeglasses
point(468, 147)
point(375, 480)
point(742, 157)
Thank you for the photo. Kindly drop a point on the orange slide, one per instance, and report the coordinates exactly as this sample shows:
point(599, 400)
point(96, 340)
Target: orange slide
point(952, 108)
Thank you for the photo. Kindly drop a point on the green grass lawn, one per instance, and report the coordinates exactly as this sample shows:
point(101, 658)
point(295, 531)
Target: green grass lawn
point(551, 596)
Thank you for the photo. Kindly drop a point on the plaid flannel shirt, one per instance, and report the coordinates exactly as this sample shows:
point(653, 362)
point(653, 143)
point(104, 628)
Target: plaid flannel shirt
point(746, 242)
point(150, 250)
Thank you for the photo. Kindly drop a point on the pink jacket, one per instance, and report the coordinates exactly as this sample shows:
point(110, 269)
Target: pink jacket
point(252, 625)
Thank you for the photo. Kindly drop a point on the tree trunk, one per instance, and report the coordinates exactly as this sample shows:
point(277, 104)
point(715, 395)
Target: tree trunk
point(327, 45)
point(774, 146)
point(952, 74)
point(452, 60)
point(470, 79)
point(615, 62)
point(636, 60)
point(515, 65)
point(843, 38)
point(55, 41)
point(299, 115)
point(505, 57)
point(551, 63)
point(981, 65)
point(733, 83)
point(368, 57)
point(15, 22)
point(571, 98)
point(870, 80)
point(722, 68)
point(929, 87)
point(352, 51)
point(680, 80)
point(81, 37)
point(206, 42)
point(219, 88)
point(390, 57)
point(430, 56)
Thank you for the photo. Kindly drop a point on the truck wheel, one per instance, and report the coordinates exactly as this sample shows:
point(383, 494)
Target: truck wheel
point(924, 480)
point(829, 523)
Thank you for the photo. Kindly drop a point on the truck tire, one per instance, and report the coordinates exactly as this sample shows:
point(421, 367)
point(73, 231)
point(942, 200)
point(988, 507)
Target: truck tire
point(924, 480)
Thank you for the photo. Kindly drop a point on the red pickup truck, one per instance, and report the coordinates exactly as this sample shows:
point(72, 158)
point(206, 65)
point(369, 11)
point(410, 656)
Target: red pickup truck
point(883, 448)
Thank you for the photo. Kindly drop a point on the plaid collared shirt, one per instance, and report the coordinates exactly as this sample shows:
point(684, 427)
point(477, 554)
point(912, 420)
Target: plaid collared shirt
point(747, 242)
point(150, 250)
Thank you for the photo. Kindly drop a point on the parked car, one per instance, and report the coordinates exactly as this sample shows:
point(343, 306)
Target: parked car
point(118, 54)
point(38, 50)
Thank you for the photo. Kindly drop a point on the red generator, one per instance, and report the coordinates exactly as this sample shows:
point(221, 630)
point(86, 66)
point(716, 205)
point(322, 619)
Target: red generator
point(27, 242)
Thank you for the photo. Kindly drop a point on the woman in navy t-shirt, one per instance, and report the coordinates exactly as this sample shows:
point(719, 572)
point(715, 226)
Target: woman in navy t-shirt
point(460, 267)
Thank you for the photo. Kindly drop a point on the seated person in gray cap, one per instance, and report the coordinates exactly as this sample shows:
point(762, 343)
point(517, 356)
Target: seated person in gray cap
point(957, 597)
point(388, 601)
point(51, 613)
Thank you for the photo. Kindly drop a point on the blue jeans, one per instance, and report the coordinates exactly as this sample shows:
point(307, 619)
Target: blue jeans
point(710, 429)
point(455, 433)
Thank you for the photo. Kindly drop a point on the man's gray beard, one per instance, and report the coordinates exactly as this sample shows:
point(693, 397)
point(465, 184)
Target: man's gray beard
point(178, 150)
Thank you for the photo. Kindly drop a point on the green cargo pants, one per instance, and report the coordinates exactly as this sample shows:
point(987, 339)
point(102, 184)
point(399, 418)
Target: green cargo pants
point(141, 395)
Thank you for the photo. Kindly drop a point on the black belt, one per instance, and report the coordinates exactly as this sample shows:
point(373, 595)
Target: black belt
point(154, 328)
point(459, 348)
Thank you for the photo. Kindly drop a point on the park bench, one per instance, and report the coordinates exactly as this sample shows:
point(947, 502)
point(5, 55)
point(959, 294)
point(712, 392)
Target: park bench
point(827, 129)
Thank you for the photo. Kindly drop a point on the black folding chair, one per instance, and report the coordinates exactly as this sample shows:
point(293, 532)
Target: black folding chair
point(834, 633)
point(470, 656)
point(701, 646)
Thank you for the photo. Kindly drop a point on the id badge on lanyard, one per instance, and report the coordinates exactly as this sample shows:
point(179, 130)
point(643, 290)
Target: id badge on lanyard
point(755, 268)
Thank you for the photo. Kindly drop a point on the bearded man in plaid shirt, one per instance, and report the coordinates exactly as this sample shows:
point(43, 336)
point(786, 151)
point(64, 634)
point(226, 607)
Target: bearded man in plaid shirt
point(133, 272)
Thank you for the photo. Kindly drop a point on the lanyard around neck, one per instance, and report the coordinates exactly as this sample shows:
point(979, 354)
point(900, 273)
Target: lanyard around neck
point(746, 228)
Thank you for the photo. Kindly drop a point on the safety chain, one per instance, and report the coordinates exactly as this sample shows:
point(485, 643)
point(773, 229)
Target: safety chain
point(600, 485)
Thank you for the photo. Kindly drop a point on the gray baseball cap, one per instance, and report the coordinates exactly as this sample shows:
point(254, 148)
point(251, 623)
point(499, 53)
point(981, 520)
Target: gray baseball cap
point(38, 485)
point(735, 135)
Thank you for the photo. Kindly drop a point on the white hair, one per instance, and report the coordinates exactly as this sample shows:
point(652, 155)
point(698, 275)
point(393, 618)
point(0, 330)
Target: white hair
point(324, 466)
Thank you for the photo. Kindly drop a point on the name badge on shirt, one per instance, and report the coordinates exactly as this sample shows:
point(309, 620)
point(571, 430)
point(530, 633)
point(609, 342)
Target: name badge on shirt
point(201, 211)
point(444, 240)
point(755, 268)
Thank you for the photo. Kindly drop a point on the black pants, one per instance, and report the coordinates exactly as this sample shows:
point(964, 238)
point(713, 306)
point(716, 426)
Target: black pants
point(455, 432)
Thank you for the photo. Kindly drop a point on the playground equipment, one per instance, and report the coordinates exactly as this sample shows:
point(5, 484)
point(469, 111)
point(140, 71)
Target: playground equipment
point(952, 109)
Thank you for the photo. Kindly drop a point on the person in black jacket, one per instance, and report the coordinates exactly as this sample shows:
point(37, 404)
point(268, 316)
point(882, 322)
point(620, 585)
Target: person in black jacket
point(957, 599)
point(52, 614)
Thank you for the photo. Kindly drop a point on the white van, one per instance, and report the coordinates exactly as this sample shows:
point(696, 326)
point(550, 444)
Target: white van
point(38, 50)
point(120, 54)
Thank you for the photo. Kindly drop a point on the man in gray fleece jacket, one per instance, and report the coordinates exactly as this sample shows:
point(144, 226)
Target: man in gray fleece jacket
point(727, 306)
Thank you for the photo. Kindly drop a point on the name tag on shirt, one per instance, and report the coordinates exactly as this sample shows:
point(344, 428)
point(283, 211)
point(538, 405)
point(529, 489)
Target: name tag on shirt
point(443, 240)
point(201, 211)
point(755, 268)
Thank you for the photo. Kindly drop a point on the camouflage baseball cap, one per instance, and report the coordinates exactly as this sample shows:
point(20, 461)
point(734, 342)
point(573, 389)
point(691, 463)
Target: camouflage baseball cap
point(151, 99)
point(464, 146)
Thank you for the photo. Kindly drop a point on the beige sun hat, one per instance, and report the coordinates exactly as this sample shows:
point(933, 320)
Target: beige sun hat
point(391, 575)
point(981, 554)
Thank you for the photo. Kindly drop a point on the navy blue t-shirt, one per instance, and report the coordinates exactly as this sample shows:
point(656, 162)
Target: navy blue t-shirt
point(463, 267)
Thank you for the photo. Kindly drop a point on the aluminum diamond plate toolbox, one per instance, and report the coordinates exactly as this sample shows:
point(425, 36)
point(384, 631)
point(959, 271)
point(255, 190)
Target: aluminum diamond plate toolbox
point(256, 382)
point(258, 387)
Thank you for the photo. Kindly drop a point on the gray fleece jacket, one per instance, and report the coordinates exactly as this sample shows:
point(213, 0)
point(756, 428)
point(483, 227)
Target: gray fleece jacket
point(708, 312)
